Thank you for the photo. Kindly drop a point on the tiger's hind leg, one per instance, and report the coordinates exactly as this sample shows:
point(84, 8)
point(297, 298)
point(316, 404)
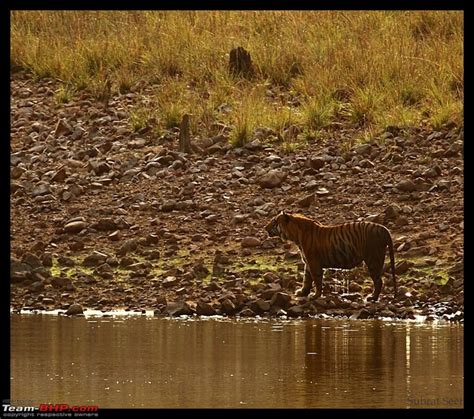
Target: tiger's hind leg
point(377, 278)
point(319, 282)
point(375, 265)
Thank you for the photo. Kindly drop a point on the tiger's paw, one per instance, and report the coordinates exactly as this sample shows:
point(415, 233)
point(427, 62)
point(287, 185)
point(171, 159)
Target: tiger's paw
point(302, 292)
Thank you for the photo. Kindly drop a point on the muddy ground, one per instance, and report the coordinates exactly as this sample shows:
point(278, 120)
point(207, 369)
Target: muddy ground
point(105, 218)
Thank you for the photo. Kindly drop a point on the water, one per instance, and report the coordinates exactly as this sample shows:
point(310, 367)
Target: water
point(150, 362)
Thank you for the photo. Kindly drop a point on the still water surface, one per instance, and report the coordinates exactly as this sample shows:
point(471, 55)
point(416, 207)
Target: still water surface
point(150, 362)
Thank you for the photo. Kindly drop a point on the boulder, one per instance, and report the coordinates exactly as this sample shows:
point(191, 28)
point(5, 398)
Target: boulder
point(272, 179)
point(74, 310)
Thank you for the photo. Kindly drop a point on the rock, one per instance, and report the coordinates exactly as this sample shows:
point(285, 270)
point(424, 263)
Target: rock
point(165, 160)
point(443, 227)
point(16, 266)
point(199, 270)
point(76, 245)
point(403, 266)
point(247, 312)
point(31, 260)
point(270, 277)
point(406, 185)
point(152, 239)
point(129, 246)
point(17, 172)
point(105, 224)
point(170, 281)
point(250, 242)
point(458, 267)
point(402, 221)
point(47, 301)
point(177, 164)
point(74, 310)
point(62, 128)
point(102, 168)
point(15, 186)
point(272, 179)
point(41, 189)
point(296, 311)
point(169, 205)
point(36, 286)
point(447, 288)
point(18, 277)
point(136, 143)
point(354, 287)
point(60, 175)
point(391, 212)
point(160, 300)
point(360, 314)
point(153, 255)
point(363, 149)
point(216, 148)
point(94, 259)
point(254, 145)
point(239, 218)
point(47, 259)
point(178, 308)
point(227, 306)
point(75, 227)
point(321, 302)
point(306, 201)
point(65, 261)
point(454, 149)
point(366, 164)
point(281, 299)
point(204, 309)
point(60, 281)
point(259, 306)
point(115, 236)
point(322, 191)
point(77, 133)
point(316, 163)
point(269, 292)
point(432, 172)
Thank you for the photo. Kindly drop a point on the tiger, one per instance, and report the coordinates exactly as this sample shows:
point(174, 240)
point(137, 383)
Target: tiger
point(343, 246)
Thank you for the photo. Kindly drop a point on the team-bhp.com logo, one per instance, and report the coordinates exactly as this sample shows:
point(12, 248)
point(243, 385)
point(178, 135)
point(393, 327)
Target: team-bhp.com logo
point(49, 409)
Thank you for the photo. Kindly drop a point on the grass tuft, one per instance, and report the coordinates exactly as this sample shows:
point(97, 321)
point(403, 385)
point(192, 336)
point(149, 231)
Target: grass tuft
point(362, 67)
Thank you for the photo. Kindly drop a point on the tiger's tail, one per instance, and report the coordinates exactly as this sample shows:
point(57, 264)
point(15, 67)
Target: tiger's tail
point(392, 264)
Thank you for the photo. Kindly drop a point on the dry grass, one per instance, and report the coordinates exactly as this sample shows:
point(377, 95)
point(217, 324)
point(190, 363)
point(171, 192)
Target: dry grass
point(367, 69)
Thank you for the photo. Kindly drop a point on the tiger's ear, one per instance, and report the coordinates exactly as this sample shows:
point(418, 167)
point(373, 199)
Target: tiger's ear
point(285, 215)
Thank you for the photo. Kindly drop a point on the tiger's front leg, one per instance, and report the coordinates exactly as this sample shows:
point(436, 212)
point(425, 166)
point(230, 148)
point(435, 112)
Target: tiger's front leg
point(317, 275)
point(307, 282)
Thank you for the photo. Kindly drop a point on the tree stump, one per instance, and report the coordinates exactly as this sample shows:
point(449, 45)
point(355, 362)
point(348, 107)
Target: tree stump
point(184, 138)
point(240, 63)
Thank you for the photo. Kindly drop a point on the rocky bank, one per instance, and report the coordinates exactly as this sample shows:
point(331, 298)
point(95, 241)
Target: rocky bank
point(103, 217)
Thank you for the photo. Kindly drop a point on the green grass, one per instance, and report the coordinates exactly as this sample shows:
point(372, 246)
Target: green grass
point(366, 68)
point(64, 94)
point(439, 271)
point(57, 270)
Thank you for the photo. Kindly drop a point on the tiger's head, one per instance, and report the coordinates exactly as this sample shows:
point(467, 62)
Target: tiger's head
point(278, 225)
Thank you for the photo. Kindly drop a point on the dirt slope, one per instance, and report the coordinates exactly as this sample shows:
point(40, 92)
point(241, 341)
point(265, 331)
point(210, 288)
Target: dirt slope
point(108, 218)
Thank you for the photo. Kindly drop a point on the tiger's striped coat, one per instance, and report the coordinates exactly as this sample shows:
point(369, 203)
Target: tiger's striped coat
point(343, 246)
